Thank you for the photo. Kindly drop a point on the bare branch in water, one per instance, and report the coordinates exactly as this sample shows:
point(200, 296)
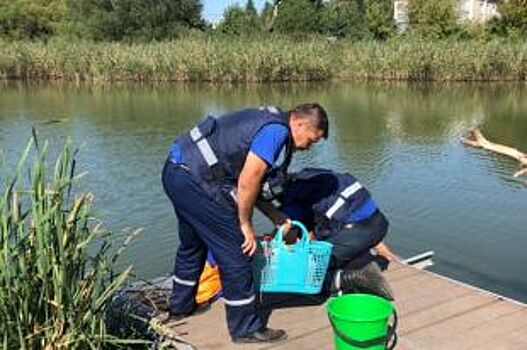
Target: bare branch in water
point(476, 139)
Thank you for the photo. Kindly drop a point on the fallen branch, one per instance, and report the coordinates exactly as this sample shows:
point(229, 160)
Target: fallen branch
point(476, 139)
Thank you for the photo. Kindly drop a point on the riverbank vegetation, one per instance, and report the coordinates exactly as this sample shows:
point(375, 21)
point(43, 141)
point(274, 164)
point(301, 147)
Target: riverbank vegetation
point(56, 261)
point(286, 40)
point(243, 60)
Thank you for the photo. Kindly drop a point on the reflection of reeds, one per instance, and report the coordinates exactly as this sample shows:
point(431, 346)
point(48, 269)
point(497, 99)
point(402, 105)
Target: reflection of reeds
point(56, 276)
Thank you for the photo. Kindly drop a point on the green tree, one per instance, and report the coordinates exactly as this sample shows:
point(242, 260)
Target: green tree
point(252, 15)
point(346, 18)
point(379, 15)
point(434, 19)
point(239, 22)
point(30, 19)
point(250, 9)
point(267, 16)
point(512, 20)
point(143, 20)
point(299, 16)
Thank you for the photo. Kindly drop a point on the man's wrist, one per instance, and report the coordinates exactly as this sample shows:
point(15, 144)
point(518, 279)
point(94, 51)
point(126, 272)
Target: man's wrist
point(281, 221)
point(246, 223)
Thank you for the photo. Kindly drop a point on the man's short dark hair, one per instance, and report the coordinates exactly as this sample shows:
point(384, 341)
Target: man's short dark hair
point(315, 113)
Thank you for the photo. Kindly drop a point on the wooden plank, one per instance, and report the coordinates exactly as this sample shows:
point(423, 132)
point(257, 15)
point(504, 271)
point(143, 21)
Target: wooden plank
point(317, 339)
point(301, 323)
point(442, 312)
point(508, 332)
point(209, 331)
point(401, 272)
point(423, 292)
point(435, 313)
point(451, 333)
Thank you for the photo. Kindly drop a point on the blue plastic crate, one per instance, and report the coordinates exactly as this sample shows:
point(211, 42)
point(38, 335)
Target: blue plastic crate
point(292, 268)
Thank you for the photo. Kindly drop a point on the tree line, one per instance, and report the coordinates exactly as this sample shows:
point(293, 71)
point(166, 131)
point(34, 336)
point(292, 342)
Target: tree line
point(159, 20)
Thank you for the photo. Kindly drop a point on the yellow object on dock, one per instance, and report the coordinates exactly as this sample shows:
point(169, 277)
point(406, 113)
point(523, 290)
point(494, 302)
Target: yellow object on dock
point(209, 284)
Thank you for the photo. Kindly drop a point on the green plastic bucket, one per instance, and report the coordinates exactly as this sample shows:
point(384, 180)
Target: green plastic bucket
point(361, 321)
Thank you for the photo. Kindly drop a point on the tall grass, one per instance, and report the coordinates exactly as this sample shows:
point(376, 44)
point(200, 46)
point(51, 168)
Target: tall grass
point(56, 276)
point(415, 59)
point(217, 59)
point(184, 60)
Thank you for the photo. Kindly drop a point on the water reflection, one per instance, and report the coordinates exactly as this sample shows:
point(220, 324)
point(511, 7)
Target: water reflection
point(401, 140)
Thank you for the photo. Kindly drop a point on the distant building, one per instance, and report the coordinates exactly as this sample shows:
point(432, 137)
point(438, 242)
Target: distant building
point(400, 14)
point(478, 11)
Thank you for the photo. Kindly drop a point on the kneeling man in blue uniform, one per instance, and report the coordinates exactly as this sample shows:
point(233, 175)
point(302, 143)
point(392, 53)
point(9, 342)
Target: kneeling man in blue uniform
point(337, 208)
point(213, 176)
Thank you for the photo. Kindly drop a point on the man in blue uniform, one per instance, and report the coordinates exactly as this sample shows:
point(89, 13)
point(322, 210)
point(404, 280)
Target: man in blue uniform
point(338, 209)
point(213, 177)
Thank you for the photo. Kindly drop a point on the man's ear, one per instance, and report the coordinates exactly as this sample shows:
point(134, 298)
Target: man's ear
point(299, 122)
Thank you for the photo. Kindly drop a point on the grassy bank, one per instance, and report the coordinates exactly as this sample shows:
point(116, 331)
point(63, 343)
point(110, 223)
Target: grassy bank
point(263, 60)
point(56, 275)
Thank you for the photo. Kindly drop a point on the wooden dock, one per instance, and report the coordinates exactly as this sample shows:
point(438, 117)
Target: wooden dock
point(434, 313)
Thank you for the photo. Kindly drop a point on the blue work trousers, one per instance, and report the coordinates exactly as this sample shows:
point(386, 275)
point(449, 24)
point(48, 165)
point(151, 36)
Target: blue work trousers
point(205, 224)
point(352, 244)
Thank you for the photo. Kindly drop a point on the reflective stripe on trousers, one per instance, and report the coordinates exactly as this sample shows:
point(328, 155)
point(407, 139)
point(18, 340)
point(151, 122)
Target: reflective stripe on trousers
point(240, 302)
point(184, 282)
point(199, 222)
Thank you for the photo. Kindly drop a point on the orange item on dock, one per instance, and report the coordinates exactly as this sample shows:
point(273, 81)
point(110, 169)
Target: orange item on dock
point(209, 284)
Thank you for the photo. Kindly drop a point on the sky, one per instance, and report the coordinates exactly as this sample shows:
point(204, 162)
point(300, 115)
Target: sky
point(213, 9)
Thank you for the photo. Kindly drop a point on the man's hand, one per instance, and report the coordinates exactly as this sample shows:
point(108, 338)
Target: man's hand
point(383, 250)
point(285, 226)
point(249, 243)
point(248, 188)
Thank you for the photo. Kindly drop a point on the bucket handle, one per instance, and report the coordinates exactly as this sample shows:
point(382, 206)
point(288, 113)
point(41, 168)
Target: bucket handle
point(279, 237)
point(390, 339)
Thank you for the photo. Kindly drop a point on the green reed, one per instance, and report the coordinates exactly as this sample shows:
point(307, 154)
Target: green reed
point(56, 275)
point(201, 59)
point(266, 59)
point(413, 59)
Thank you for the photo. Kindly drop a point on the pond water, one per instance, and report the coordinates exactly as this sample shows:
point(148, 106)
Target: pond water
point(401, 141)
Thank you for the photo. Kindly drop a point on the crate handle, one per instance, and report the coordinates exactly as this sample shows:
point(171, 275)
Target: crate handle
point(279, 237)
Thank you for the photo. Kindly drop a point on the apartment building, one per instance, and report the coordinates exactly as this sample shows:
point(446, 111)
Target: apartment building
point(469, 10)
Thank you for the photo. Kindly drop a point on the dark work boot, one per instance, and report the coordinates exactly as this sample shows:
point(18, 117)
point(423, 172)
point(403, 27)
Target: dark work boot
point(265, 335)
point(368, 279)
